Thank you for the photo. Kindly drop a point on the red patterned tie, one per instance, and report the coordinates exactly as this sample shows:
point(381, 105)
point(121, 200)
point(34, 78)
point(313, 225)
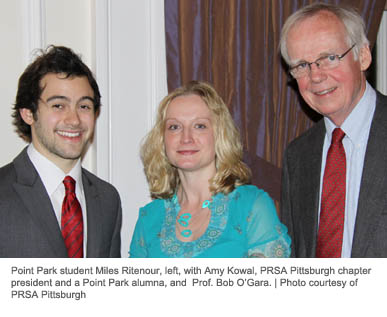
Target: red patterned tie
point(330, 232)
point(72, 222)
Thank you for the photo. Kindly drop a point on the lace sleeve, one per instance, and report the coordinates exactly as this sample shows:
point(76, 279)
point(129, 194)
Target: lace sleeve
point(138, 246)
point(266, 235)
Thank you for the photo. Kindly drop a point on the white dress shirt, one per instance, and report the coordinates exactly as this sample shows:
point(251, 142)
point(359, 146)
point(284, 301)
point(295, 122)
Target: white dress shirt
point(52, 177)
point(356, 128)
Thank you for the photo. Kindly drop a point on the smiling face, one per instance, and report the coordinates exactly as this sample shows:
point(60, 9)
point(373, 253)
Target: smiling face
point(335, 92)
point(65, 119)
point(189, 135)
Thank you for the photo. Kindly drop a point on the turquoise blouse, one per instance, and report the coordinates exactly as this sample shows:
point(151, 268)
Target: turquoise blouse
point(243, 223)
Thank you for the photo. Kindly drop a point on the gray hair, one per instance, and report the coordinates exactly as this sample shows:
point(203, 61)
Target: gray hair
point(352, 21)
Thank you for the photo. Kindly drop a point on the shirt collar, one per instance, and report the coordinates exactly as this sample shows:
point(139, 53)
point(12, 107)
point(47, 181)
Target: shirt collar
point(357, 123)
point(50, 174)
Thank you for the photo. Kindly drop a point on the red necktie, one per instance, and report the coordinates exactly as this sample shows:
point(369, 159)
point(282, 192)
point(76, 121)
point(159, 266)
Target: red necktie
point(72, 222)
point(330, 232)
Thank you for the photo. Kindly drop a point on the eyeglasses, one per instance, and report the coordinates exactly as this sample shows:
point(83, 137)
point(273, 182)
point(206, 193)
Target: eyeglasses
point(323, 63)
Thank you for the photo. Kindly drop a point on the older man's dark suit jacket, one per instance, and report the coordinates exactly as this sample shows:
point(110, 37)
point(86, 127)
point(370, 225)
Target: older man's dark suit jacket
point(301, 184)
point(29, 227)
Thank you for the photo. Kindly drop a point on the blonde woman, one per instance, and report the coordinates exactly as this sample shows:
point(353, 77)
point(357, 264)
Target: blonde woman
point(202, 204)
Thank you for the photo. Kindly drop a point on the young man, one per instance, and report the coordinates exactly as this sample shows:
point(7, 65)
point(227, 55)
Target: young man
point(49, 205)
point(334, 185)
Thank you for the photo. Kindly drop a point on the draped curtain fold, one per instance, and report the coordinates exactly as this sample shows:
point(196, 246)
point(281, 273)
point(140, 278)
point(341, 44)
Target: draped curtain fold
point(233, 45)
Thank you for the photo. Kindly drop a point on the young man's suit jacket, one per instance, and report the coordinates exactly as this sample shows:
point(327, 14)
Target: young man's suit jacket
point(29, 227)
point(301, 185)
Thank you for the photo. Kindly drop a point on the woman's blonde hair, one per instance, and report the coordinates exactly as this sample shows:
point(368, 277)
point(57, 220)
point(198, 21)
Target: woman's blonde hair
point(163, 178)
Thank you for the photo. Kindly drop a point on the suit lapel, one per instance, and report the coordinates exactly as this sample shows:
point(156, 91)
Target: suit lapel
point(310, 187)
point(372, 197)
point(94, 216)
point(32, 192)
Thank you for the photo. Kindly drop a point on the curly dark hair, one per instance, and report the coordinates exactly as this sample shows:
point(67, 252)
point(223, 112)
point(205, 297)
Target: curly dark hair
point(57, 60)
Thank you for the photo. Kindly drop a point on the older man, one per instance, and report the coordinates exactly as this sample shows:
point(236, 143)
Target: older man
point(334, 185)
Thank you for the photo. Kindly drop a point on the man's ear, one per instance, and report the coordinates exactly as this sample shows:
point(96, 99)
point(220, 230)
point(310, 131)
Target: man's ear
point(365, 57)
point(27, 115)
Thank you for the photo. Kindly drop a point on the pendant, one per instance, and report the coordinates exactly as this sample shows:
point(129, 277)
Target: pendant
point(206, 203)
point(184, 222)
point(186, 233)
point(184, 219)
